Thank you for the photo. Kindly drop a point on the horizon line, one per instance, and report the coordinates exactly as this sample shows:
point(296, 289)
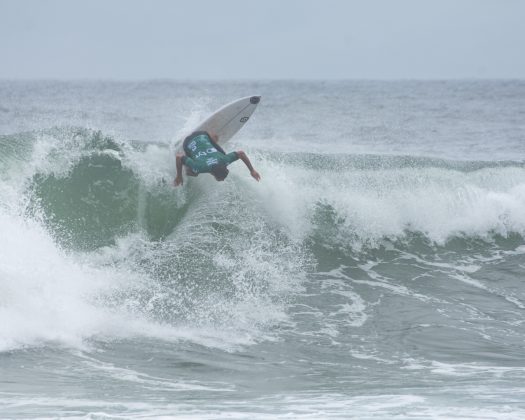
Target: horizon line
point(248, 80)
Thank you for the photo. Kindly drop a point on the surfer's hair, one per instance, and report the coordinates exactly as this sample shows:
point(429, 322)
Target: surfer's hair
point(220, 172)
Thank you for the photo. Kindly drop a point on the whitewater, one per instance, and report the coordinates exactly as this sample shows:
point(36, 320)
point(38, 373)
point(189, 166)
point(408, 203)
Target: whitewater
point(376, 271)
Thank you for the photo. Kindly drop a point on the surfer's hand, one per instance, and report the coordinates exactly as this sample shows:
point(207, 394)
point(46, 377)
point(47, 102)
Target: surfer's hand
point(255, 175)
point(178, 181)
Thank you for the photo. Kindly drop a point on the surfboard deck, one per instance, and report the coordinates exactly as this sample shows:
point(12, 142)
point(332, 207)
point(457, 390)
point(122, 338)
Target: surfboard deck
point(226, 121)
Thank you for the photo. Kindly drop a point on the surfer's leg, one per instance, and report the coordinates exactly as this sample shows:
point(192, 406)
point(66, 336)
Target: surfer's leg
point(214, 137)
point(215, 141)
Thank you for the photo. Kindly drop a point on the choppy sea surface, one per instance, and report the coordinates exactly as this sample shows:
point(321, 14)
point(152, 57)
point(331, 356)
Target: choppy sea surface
point(376, 271)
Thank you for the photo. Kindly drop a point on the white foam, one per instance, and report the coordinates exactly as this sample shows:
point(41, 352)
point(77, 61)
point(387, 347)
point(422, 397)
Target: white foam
point(44, 295)
point(48, 296)
point(372, 204)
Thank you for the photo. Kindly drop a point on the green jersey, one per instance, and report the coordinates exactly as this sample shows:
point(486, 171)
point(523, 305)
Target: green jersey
point(202, 155)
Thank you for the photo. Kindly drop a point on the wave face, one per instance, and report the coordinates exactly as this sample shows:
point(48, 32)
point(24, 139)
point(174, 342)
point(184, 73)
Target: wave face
point(343, 266)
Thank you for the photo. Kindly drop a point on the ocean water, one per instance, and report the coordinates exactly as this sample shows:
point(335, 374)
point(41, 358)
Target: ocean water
point(376, 271)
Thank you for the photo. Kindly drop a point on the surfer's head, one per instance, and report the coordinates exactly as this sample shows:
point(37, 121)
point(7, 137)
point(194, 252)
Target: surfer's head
point(220, 172)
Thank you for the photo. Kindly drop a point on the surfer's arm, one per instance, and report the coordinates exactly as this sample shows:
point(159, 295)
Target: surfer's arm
point(244, 157)
point(178, 180)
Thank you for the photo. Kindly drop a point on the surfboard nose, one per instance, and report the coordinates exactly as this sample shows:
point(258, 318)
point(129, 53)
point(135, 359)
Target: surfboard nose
point(255, 99)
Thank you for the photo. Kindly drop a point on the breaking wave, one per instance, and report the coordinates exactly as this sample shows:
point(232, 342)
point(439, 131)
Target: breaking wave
point(96, 243)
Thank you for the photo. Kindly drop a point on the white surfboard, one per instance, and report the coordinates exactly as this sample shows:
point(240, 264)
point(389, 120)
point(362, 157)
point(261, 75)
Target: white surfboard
point(226, 121)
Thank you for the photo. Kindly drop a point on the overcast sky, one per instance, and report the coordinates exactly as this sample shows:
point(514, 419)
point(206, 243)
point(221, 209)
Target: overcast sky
point(262, 39)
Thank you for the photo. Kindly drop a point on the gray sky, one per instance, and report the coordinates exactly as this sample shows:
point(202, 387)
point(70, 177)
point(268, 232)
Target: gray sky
point(263, 39)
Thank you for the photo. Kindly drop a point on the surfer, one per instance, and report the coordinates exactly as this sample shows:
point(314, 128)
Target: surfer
point(202, 154)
